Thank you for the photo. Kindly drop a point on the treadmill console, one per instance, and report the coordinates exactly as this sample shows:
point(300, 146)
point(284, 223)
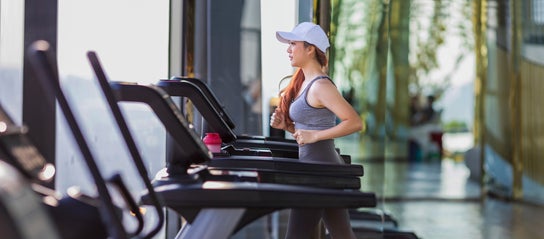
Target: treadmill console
point(17, 149)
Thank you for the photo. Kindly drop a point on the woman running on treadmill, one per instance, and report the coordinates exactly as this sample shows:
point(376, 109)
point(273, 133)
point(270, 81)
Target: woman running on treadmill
point(308, 109)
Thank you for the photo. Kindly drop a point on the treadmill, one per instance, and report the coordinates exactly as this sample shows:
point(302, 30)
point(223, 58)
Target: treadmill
point(217, 209)
point(23, 215)
point(74, 215)
point(76, 221)
point(212, 98)
point(367, 218)
point(273, 176)
point(208, 105)
point(269, 169)
point(241, 159)
point(367, 223)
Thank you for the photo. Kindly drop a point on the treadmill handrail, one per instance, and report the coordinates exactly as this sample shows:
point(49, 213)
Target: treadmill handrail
point(176, 125)
point(129, 140)
point(35, 166)
point(194, 150)
point(211, 96)
point(204, 105)
point(40, 60)
point(200, 93)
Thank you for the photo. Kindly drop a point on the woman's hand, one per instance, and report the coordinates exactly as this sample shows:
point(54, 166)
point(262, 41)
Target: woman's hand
point(277, 120)
point(305, 136)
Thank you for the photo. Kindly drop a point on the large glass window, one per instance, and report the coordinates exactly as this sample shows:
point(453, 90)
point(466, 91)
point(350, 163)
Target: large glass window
point(537, 12)
point(250, 66)
point(533, 30)
point(11, 57)
point(131, 40)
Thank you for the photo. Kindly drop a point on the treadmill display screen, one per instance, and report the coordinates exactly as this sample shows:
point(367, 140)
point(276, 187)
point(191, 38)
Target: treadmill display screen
point(25, 156)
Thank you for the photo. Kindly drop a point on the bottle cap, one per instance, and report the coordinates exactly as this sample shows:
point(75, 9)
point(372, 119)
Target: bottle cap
point(212, 138)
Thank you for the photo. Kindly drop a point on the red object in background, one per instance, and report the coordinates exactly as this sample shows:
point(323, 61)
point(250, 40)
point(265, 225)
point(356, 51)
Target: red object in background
point(436, 136)
point(213, 141)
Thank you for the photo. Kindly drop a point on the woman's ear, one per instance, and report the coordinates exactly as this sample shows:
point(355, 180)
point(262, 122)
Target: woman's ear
point(311, 49)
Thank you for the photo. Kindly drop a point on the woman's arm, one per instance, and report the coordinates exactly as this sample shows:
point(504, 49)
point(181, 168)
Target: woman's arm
point(277, 121)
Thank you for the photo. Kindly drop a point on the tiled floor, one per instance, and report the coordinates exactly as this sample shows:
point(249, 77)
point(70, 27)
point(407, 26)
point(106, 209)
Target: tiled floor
point(438, 199)
point(435, 200)
point(488, 219)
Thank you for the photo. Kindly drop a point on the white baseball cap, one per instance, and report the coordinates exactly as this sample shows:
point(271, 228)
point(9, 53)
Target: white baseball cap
point(308, 32)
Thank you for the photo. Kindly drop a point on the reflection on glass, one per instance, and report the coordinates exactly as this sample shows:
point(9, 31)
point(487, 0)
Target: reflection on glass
point(355, 68)
point(359, 57)
point(430, 94)
point(250, 66)
point(430, 104)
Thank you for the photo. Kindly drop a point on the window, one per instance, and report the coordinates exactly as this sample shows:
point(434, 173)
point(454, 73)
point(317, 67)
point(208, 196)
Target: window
point(131, 40)
point(11, 57)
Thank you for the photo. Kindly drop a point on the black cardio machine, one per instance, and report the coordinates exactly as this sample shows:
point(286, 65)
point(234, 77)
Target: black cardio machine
point(285, 169)
point(133, 92)
point(29, 209)
point(24, 167)
point(204, 203)
point(270, 169)
point(217, 209)
point(23, 215)
point(109, 214)
point(217, 118)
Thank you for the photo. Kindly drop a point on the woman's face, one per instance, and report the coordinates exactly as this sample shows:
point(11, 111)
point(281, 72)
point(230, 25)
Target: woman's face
point(298, 53)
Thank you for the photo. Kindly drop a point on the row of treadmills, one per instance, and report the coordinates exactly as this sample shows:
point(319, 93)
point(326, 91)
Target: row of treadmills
point(216, 194)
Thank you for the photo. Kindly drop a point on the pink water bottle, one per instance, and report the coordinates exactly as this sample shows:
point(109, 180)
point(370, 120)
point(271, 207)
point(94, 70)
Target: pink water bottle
point(213, 141)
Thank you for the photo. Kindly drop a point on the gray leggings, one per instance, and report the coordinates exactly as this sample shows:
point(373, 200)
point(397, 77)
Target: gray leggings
point(303, 222)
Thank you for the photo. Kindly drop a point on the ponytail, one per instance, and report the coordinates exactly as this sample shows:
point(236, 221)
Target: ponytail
point(290, 92)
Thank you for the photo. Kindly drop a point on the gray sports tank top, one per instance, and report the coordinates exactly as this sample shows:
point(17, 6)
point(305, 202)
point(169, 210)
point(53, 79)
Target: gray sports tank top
point(308, 117)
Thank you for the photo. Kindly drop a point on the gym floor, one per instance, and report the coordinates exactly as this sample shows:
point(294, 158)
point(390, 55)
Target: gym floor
point(436, 200)
point(441, 202)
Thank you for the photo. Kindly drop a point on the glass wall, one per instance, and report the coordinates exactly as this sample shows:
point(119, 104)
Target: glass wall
point(250, 67)
point(131, 40)
point(358, 57)
point(512, 125)
point(11, 57)
point(234, 61)
point(430, 97)
point(531, 70)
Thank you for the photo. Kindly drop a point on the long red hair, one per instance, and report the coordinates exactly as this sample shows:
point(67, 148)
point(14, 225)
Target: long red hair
point(290, 92)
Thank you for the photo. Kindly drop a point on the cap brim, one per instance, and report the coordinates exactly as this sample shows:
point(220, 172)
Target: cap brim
point(286, 37)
